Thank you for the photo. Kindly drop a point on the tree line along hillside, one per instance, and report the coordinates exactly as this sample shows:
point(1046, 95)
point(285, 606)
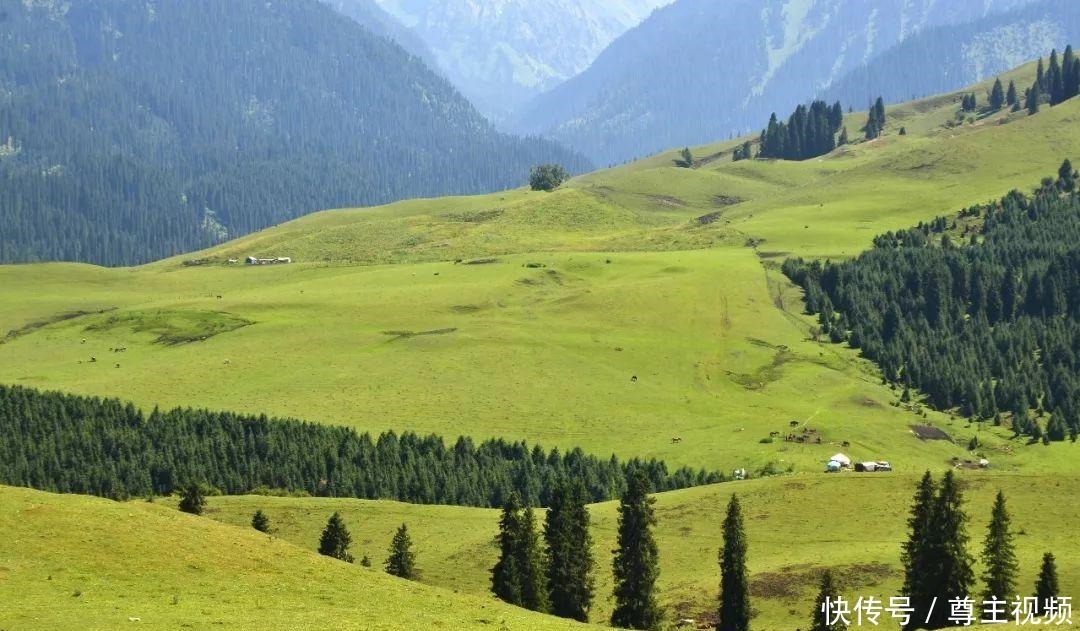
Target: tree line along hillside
point(130, 131)
point(980, 312)
point(71, 444)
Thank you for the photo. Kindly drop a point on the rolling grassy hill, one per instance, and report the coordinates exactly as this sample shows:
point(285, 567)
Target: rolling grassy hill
point(560, 300)
point(853, 524)
point(72, 562)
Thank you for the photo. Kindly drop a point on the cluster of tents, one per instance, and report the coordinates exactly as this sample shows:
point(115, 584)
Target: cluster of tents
point(840, 462)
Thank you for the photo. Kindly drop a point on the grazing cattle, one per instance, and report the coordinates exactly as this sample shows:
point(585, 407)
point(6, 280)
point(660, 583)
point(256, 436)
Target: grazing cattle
point(793, 423)
point(774, 434)
point(227, 362)
point(118, 365)
point(847, 443)
point(633, 379)
point(676, 439)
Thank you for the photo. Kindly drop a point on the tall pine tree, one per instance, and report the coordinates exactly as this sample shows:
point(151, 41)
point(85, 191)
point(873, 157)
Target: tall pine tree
point(402, 559)
point(534, 594)
point(1047, 584)
point(734, 582)
point(919, 576)
point(998, 554)
point(951, 562)
point(997, 95)
point(569, 551)
point(636, 565)
point(506, 576)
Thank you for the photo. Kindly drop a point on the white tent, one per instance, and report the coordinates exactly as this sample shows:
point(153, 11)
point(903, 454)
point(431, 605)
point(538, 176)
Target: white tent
point(842, 459)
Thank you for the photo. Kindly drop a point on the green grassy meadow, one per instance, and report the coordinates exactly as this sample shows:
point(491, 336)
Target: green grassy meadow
point(73, 562)
point(527, 315)
point(557, 302)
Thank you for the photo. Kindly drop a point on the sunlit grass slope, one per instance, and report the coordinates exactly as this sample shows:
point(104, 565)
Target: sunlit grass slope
point(72, 562)
point(829, 206)
point(797, 525)
point(558, 302)
point(546, 354)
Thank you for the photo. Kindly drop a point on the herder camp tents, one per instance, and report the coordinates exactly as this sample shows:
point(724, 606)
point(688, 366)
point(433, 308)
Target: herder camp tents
point(842, 459)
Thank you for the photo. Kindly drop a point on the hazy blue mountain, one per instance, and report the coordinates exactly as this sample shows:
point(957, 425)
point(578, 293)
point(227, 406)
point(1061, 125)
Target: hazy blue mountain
point(944, 58)
point(132, 130)
point(502, 52)
point(372, 16)
point(701, 69)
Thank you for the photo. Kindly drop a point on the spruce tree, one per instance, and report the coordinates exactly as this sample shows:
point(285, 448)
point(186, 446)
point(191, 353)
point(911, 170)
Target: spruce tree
point(734, 582)
point(998, 554)
point(1010, 96)
point(997, 96)
point(335, 540)
point(948, 549)
point(1055, 85)
point(569, 552)
point(534, 594)
point(1066, 176)
point(875, 123)
point(843, 140)
point(402, 559)
point(1070, 74)
point(919, 575)
point(260, 522)
point(636, 564)
point(506, 576)
point(827, 592)
point(1047, 584)
point(1033, 97)
point(192, 499)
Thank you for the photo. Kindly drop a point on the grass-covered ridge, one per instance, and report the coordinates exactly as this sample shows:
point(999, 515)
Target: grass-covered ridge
point(601, 320)
point(73, 562)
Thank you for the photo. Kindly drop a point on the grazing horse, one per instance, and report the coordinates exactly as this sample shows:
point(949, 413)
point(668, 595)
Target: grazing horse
point(676, 439)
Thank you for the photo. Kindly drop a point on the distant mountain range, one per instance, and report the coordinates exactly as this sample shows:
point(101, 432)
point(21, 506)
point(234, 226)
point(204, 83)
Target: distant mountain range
point(942, 58)
point(133, 130)
point(699, 70)
point(502, 52)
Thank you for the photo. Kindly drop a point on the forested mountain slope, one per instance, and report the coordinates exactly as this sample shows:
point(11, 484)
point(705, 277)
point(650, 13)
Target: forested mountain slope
point(373, 17)
point(943, 58)
point(133, 131)
point(700, 70)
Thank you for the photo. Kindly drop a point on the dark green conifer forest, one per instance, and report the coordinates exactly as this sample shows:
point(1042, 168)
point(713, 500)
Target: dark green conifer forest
point(131, 131)
point(808, 133)
point(72, 444)
point(981, 312)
